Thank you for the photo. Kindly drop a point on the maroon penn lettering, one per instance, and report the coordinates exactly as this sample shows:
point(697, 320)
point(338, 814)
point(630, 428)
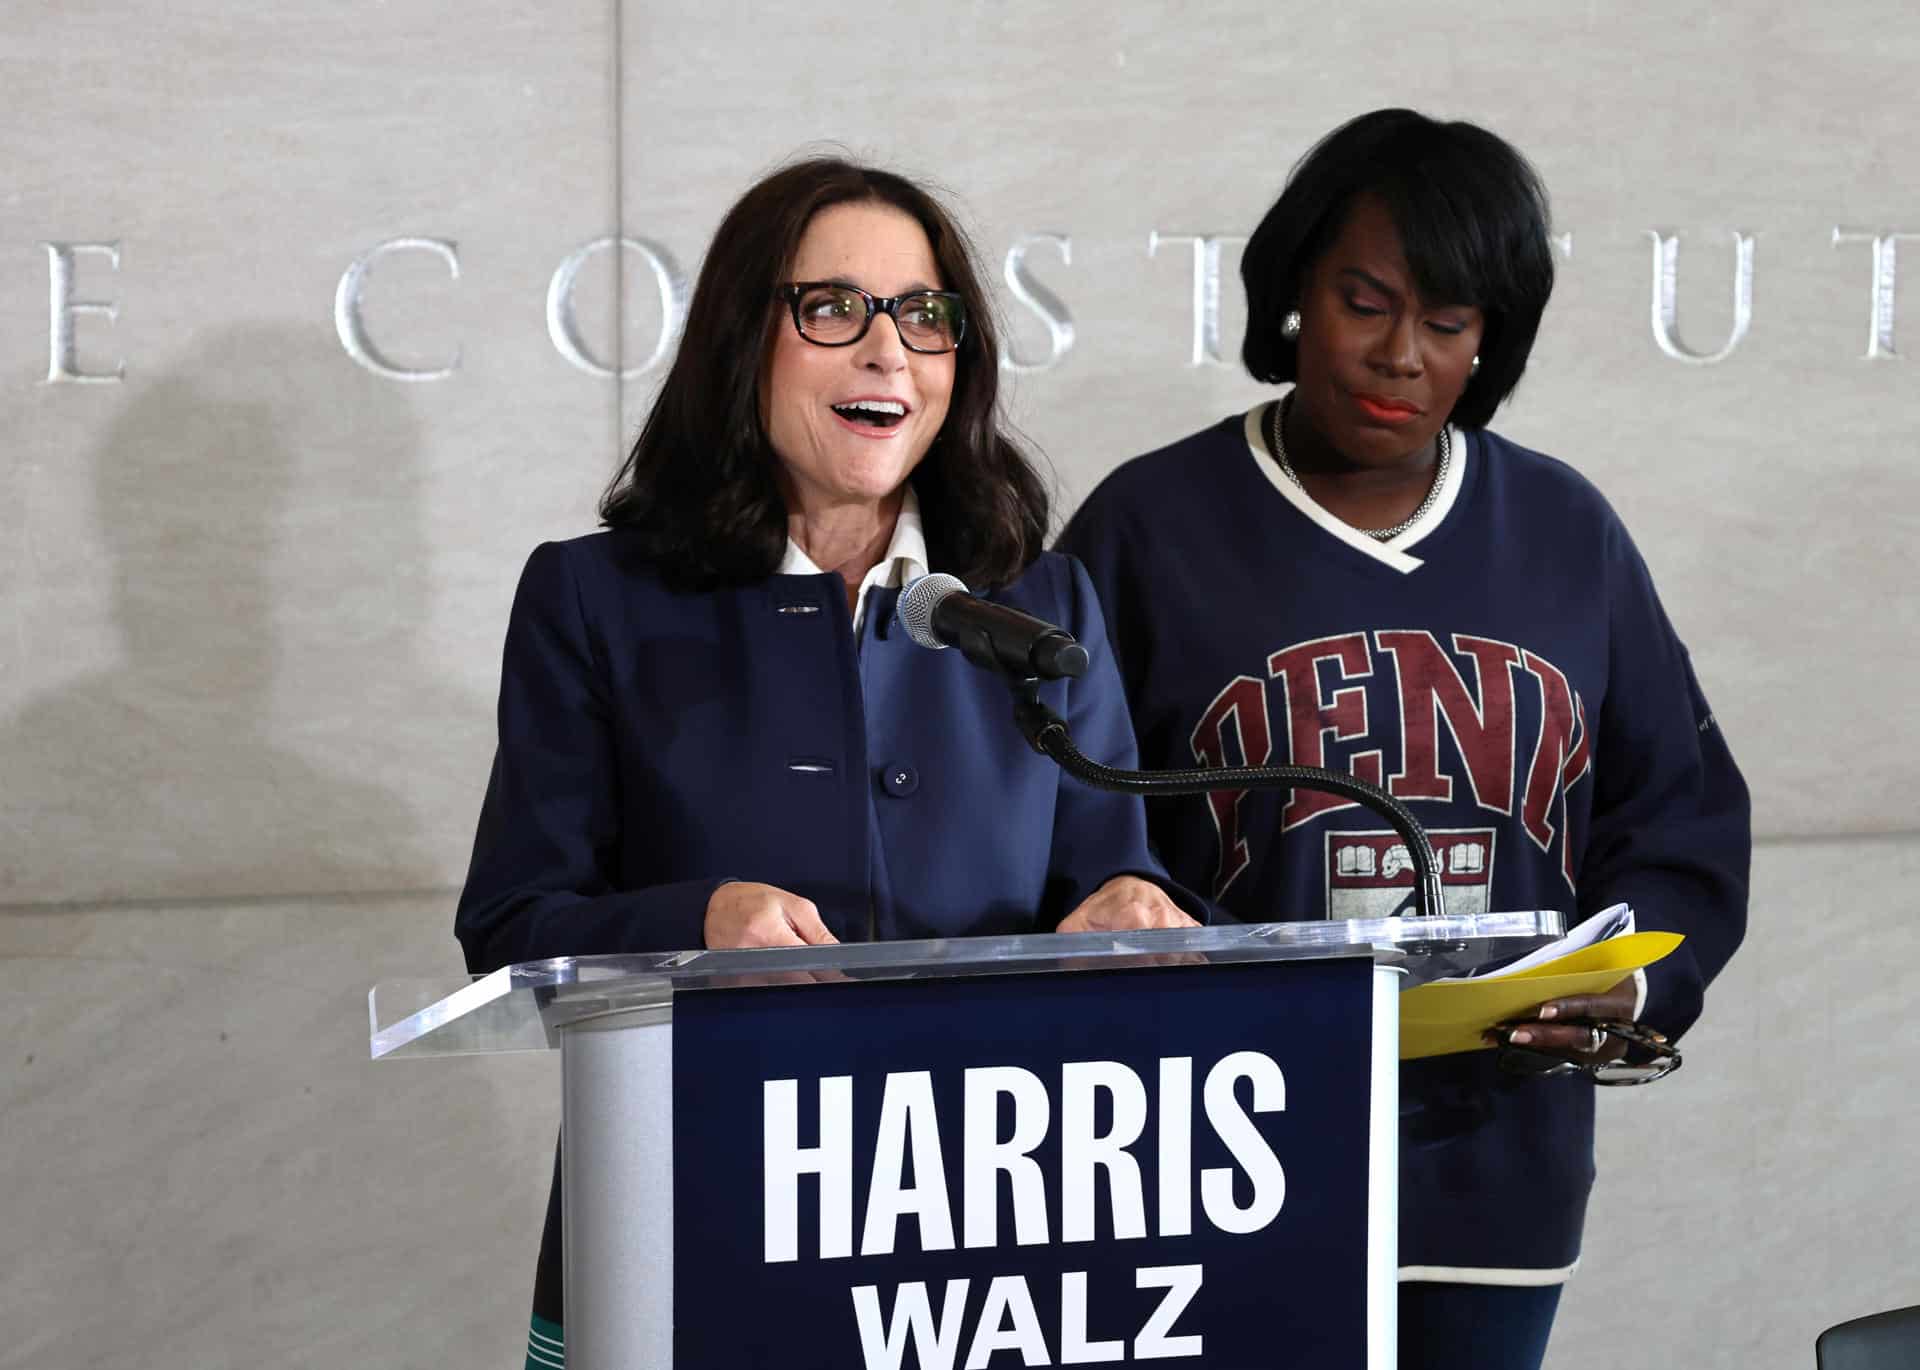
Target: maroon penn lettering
point(1323, 691)
point(1560, 756)
point(1432, 692)
point(1312, 717)
point(1243, 704)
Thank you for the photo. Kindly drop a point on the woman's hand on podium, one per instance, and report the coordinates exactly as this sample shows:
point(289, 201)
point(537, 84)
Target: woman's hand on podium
point(1124, 903)
point(744, 914)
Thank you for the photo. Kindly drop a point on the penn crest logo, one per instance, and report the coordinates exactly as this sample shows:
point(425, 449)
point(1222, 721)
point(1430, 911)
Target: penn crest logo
point(1382, 698)
point(1370, 874)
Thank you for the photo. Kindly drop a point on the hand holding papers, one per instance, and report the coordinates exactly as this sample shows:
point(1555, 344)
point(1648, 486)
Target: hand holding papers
point(1453, 1015)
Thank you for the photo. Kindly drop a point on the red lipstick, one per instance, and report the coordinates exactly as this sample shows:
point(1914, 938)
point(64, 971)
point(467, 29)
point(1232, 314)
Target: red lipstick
point(1387, 409)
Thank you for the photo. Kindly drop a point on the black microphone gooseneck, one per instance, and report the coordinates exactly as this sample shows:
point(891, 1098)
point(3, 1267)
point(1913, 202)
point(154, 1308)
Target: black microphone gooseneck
point(938, 612)
point(1046, 732)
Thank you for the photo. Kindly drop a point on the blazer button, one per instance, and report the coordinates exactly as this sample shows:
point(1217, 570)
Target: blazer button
point(899, 781)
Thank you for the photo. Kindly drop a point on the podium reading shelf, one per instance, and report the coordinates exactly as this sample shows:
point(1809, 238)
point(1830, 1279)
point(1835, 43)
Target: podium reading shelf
point(985, 1152)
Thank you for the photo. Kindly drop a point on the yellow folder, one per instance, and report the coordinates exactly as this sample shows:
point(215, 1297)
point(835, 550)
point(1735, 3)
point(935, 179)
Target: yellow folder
point(1451, 1015)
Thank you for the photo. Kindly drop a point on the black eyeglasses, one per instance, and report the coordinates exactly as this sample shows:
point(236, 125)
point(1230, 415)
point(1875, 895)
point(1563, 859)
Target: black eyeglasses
point(831, 315)
point(1657, 1058)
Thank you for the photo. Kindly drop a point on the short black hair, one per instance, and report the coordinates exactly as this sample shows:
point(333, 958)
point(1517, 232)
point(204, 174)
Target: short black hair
point(1472, 216)
point(698, 488)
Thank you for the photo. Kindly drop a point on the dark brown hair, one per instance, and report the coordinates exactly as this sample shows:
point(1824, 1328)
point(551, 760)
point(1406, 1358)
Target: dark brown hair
point(698, 487)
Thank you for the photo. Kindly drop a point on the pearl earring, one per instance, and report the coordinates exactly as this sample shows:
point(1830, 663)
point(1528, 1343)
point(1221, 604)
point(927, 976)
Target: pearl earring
point(1474, 369)
point(1290, 326)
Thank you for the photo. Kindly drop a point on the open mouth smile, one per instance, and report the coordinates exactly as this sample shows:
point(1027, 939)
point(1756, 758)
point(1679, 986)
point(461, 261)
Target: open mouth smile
point(871, 416)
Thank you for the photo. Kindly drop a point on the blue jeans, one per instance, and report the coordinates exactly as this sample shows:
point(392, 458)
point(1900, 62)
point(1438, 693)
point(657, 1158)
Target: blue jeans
point(1475, 1326)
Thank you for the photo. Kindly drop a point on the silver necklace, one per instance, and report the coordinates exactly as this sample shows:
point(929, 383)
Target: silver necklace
point(1381, 534)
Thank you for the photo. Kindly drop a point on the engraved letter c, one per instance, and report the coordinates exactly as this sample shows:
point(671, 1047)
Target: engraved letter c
point(353, 331)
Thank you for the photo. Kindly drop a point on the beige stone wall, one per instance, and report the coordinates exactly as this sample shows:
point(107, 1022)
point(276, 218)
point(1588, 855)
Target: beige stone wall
point(251, 594)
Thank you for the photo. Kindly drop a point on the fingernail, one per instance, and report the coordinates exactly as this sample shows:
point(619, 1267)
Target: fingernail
point(1550, 1010)
point(1520, 1036)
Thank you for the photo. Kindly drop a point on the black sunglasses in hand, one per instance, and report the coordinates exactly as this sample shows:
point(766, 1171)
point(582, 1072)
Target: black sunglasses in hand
point(1657, 1059)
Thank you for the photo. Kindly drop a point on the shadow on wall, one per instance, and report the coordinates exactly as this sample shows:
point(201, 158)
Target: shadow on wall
point(273, 725)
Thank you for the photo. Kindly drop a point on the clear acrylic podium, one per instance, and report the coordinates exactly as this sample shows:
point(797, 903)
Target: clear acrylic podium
point(612, 1018)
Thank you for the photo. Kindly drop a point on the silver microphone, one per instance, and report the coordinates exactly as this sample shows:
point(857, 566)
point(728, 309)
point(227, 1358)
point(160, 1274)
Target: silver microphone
point(938, 612)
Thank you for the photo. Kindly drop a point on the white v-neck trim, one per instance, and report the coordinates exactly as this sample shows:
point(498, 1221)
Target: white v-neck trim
point(1393, 554)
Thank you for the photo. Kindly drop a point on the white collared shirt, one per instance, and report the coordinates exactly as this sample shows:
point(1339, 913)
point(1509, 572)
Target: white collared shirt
point(905, 559)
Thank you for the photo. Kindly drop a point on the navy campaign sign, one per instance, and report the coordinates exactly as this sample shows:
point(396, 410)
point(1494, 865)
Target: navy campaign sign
point(1072, 1169)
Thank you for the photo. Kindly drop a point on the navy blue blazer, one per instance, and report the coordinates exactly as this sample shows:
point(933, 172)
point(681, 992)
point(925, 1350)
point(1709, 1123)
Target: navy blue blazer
point(654, 744)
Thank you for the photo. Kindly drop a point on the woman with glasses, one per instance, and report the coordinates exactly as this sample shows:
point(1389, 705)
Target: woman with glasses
point(1359, 574)
point(712, 733)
